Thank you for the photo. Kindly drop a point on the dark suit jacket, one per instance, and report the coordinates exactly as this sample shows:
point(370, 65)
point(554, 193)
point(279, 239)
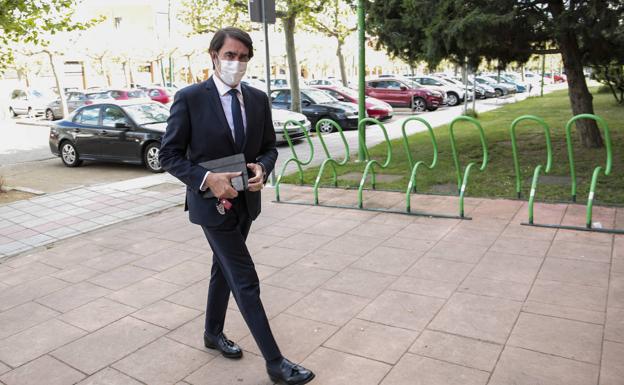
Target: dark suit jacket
point(197, 131)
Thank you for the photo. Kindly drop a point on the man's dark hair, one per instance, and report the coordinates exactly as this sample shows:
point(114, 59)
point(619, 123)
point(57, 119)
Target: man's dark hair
point(234, 33)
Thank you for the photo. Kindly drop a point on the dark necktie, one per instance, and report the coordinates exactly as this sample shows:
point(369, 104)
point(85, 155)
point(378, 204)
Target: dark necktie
point(237, 117)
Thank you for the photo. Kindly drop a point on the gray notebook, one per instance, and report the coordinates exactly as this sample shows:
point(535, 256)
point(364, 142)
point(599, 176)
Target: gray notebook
point(233, 163)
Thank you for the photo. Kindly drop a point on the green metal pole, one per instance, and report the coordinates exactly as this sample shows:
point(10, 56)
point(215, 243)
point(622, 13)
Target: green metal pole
point(361, 83)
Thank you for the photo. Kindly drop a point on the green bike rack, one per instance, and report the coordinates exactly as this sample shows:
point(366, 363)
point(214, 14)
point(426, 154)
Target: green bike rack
point(411, 187)
point(538, 169)
point(461, 183)
point(330, 160)
point(514, 148)
point(370, 165)
point(592, 189)
point(294, 158)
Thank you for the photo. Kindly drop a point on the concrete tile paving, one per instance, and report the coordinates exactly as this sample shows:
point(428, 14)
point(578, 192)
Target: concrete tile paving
point(420, 301)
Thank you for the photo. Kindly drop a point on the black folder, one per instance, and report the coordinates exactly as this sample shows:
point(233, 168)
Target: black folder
point(233, 163)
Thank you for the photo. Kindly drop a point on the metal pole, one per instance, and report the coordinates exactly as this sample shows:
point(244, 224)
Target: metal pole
point(361, 83)
point(267, 67)
point(170, 58)
point(543, 70)
point(465, 86)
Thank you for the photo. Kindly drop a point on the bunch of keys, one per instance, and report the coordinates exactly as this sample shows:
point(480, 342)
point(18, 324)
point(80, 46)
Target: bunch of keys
point(223, 205)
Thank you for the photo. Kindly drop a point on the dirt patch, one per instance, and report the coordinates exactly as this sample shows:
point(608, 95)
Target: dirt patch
point(13, 196)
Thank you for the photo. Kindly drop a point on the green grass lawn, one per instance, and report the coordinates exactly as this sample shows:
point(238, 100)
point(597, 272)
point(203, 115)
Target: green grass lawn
point(498, 179)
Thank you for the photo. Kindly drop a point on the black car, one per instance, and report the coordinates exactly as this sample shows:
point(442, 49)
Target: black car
point(317, 105)
point(120, 131)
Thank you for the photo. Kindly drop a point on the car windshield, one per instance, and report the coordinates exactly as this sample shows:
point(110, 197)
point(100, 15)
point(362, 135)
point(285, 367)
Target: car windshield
point(149, 113)
point(97, 95)
point(137, 94)
point(319, 97)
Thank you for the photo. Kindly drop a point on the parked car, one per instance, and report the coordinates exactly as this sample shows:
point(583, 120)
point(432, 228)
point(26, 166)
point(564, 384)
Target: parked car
point(256, 83)
point(325, 82)
point(375, 108)
point(127, 94)
point(75, 99)
point(454, 94)
point(162, 95)
point(404, 93)
point(120, 131)
point(479, 91)
point(520, 86)
point(295, 132)
point(500, 89)
point(28, 101)
point(316, 105)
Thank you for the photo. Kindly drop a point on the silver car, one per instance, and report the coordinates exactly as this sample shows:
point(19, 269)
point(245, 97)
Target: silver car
point(29, 102)
point(75, 99)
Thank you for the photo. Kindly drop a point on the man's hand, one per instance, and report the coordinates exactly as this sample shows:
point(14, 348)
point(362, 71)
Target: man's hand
point(220, 184)
point(257, 182)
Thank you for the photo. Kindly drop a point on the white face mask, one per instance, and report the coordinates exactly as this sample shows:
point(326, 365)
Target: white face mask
point(231, 72)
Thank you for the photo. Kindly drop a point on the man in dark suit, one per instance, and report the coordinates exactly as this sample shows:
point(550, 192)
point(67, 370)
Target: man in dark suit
point(214, 119)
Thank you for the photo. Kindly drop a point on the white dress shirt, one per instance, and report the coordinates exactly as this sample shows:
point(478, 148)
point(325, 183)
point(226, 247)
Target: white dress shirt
point(226, 103)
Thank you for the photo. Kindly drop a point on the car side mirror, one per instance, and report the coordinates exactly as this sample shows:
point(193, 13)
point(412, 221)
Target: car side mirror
point(122, 125)
point(403, 88)
point(305, 103)
point(340, 97)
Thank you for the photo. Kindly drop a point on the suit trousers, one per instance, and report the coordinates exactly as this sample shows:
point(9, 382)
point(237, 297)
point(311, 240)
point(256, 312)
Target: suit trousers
point(233, 270)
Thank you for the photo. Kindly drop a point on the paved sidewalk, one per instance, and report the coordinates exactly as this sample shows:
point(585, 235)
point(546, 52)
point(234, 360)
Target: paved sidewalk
point(360, 297)
point(49, 218)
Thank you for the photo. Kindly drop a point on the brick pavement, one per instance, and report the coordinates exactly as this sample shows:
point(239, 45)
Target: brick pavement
point(360, 297)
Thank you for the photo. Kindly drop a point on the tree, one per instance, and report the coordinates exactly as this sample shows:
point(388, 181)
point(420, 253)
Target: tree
point(506, 31)
point(289, 11)
point(208, 16)
point(339, 23)
point(36, 22)
point(32, 21)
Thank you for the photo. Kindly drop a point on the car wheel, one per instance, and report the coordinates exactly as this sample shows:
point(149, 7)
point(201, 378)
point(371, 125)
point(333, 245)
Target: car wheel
point(49, 115)
point(452, 99)
point(419, 105)
point(326, 127)
point(69, 155)
point(12, 112)
point(150, 157)
point(498, 92)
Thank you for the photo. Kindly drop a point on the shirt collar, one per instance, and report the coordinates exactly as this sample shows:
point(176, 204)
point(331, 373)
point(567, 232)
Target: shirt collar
point(224, 88)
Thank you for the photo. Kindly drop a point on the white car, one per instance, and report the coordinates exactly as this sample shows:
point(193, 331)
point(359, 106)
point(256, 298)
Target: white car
point(295, 131)
point(29, 102)
point(454, 94)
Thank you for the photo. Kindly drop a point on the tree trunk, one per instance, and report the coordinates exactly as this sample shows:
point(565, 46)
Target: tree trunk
point(59, 84)
point(580, 98)
point(123, 66)
point(341, 63)
point(190, 69)
point(132, 85)
point(293, 70)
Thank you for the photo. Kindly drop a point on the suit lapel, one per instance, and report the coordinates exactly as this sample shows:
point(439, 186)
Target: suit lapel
point(217, 108)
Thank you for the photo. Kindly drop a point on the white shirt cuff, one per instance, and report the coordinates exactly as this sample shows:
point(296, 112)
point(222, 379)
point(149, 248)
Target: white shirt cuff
point(201, 187)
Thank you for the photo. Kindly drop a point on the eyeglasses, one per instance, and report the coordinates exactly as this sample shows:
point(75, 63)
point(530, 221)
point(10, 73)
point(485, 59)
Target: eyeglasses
point(232, 56)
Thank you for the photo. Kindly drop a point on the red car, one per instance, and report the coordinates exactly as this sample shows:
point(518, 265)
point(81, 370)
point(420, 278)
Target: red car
point(404, 93)
point(122, 94)
point(375, 108)
point(160, 94)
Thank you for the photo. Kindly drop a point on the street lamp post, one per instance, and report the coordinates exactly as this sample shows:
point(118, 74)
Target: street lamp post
point(361, 83)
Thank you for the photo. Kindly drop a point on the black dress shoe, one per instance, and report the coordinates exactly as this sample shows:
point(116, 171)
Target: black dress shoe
point(290, 374)
point(228, 348)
